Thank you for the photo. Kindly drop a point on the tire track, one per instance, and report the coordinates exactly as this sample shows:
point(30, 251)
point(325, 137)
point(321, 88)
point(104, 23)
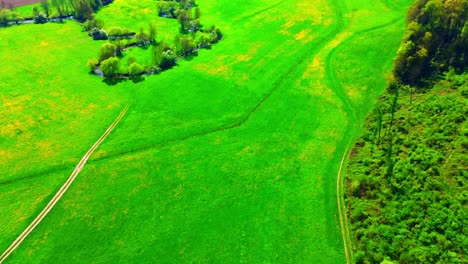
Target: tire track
point(61, 191)
point(349, 108)
point(342, 210)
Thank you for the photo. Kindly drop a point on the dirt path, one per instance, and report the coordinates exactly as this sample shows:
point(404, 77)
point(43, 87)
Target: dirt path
point(62, 190)
point(342, 209)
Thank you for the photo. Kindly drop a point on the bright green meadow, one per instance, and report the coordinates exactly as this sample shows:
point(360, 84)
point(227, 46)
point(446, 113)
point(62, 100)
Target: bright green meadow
point(230, 157)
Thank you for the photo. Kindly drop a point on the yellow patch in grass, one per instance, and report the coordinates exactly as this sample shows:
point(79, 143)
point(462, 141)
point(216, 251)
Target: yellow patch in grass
point(314, 12)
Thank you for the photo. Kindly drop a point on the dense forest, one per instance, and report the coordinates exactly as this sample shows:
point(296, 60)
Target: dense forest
point(406, 192)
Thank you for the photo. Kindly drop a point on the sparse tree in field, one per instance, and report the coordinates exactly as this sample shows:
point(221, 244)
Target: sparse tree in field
point(152, 33)
point(45, 7)
point(107, 50)
point(110, 66)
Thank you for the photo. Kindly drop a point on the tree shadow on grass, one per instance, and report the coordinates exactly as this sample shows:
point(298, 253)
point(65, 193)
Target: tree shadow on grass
point(191, 56)
point(138, 79)
point(113, 81)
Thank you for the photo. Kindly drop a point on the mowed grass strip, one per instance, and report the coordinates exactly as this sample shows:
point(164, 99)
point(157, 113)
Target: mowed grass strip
point(263, 191)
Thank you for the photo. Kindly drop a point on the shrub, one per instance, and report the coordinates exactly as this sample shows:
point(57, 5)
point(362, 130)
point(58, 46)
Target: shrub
point(93, 64)
point(135, 69)
point(168, 59)
point(41, 18)
point(107, 50)
point(110, 66)
point(98, 34)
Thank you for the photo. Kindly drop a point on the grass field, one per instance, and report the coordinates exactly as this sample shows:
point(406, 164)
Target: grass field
point(230, 157)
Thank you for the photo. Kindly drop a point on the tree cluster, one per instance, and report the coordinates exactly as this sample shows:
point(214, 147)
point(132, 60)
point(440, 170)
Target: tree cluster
point(82, 10)
point(436, 40)
point(164, 54)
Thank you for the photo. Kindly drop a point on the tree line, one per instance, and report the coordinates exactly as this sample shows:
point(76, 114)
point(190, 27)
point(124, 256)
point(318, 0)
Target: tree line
point(406, 192)
point(81, 10)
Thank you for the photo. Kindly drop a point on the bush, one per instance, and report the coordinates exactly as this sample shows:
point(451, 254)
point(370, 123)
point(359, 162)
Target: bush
point(107, 50)
point(118, 32)
point(135, 69)
point(41, 18)
point(168, 59)
point(93, 64)
point(110, 66)
point(98, 34)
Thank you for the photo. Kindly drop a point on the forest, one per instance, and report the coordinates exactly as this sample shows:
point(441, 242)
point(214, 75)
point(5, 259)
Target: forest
point(406, 192)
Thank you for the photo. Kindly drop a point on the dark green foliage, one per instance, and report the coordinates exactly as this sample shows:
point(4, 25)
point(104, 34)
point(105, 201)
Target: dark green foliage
point(40, 18)
point(98, 34)
point(436, 40)
point(406, 196)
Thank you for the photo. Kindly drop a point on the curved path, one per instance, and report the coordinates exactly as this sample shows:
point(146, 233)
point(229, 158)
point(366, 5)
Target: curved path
point(62, 190)
point(350, 108)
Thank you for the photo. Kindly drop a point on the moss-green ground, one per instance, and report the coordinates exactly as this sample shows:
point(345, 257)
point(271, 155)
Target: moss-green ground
point(229, 157)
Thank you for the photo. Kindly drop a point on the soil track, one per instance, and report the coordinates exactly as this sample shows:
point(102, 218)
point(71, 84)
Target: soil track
point(62, 190)
point(16, 3)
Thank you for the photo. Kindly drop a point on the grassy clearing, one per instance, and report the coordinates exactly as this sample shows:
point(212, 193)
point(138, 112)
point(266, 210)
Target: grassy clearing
point(230, 156)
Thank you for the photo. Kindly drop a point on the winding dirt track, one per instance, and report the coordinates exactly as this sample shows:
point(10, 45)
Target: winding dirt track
point(62, 190)
point(342, 210)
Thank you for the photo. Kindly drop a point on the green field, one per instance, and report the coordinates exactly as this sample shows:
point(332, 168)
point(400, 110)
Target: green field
point(231, 156)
